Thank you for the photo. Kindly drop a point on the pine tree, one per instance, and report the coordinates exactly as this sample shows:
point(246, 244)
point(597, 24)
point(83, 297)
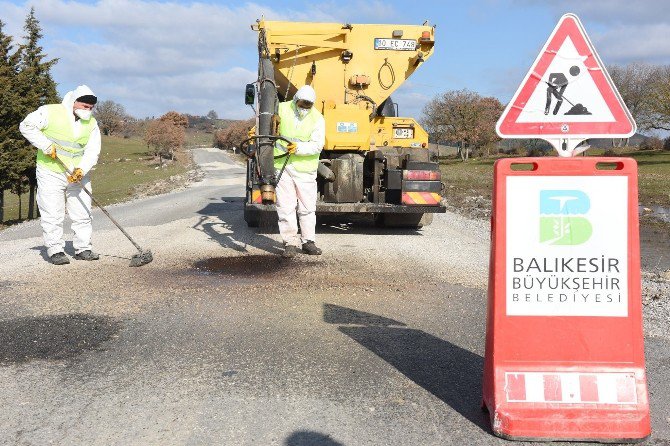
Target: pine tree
point(35, 87)
point(10, 138)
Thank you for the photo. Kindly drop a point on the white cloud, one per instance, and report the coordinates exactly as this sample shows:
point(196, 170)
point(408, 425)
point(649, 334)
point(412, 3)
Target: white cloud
point(154, 56)
point(628, 43)
point(615, 11)
point(622, 31)
point(13, 17)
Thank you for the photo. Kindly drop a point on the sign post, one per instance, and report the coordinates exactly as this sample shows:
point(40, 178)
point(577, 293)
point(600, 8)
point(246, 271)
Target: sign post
point(564, 353)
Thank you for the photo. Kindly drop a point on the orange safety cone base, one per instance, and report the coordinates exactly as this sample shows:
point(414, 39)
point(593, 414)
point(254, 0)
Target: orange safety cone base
point(564, 364)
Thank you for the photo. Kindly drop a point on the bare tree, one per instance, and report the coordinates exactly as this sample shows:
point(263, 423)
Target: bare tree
point(660, 100)
point(175, 118)
point(645, 89)
point(111, 117)
point(164, 138)
point(463, 117)
point(231, 137)
point(488, 110)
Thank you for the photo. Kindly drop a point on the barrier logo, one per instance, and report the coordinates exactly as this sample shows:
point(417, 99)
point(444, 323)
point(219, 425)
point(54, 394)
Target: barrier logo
point(562, 220)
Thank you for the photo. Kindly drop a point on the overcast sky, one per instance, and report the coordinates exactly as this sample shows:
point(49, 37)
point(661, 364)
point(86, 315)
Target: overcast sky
point(192, 57)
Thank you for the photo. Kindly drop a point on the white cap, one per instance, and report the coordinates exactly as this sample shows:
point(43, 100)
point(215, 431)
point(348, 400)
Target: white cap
point(306, 93)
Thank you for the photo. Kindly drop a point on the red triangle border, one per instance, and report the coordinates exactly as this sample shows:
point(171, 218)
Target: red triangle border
point(623, 125)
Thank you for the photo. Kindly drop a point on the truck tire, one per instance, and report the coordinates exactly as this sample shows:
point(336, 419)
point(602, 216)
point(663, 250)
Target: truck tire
point(403, 220)
point(251, 217)
point(267, 223)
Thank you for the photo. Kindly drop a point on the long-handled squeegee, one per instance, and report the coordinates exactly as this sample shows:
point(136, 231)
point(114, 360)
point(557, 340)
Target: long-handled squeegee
point(143, 256)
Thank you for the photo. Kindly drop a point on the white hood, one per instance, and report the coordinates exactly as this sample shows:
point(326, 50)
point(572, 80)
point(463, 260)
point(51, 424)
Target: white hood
point(71, 96)
point(305, 93)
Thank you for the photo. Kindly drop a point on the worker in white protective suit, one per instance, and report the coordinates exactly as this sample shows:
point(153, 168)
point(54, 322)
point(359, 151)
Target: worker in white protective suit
point(302, 124)
point(69, 132)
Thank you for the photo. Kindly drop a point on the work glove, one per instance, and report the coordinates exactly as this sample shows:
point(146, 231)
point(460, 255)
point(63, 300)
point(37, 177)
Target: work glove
point(290, 148)
point(76, 176)
point(51, 151)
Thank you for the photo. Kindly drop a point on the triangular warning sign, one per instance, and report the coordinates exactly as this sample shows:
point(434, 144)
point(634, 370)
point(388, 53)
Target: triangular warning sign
point(567, 94)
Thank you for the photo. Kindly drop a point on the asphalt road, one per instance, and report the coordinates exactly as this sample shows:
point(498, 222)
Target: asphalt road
point(380, 341)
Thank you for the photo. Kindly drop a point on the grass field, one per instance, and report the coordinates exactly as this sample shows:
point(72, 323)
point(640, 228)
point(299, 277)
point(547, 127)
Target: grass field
point(199, 138)
point(474, 178)
point(122, 167)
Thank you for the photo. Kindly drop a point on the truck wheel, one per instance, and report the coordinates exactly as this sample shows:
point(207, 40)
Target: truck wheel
point(267, 223)
point(251, 217)
point(402, 220)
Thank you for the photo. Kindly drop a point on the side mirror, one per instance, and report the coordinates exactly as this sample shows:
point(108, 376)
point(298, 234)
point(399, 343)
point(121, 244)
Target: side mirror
point(249, 94)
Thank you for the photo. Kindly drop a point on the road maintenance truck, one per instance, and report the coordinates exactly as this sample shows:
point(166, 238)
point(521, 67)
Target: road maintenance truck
point(374, 161)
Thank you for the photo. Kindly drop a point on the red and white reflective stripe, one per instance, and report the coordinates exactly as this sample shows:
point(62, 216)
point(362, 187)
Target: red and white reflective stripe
point(422, 175)
point(570, 388)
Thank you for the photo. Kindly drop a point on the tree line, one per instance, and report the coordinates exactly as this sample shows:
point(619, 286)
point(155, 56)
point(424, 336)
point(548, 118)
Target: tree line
point(25, 84)
point(467, 120)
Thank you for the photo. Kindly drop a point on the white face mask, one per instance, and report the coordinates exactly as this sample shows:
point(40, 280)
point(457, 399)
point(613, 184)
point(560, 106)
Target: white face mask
point(302, 112)
point(84, 115)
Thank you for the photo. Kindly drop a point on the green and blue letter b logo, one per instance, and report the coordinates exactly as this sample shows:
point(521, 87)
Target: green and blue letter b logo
point(562, 220)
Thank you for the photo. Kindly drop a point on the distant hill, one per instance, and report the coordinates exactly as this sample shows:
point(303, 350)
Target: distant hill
point(209, 125)
point(606, 143)
point(225, 123)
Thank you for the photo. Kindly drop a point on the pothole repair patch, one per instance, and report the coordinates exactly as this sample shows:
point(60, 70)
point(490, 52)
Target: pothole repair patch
point(53, 337)
point(252, 266)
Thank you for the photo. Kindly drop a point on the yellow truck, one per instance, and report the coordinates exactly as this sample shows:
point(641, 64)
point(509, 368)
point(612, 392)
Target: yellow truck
point(374, 161)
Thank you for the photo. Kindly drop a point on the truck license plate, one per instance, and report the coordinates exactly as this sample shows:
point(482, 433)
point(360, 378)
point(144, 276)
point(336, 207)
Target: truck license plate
point(403, 133)
point(395, 44)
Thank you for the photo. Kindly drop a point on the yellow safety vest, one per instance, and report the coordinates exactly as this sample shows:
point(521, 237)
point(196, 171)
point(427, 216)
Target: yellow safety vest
point(301, 129)
point(59, 131)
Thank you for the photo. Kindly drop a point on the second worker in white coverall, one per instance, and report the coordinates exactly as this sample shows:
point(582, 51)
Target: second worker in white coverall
point(67, 131)
point(302, 124)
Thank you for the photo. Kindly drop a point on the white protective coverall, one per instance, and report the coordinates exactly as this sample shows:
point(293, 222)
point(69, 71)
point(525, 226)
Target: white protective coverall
point(54, 193)
point(296, 190)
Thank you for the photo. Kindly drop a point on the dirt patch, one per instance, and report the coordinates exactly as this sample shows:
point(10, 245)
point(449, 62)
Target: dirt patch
point(53, 337)
point(655, 247)
point(473, 207)
point(194, 174)
point(7, 284)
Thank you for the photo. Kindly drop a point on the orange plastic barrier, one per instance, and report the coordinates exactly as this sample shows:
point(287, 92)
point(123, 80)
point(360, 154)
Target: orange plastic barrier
point(564, 343)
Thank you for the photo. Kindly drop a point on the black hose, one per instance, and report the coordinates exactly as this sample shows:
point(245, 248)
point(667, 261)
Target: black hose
point(379, 75)
point(247, 142)
point(371, 101)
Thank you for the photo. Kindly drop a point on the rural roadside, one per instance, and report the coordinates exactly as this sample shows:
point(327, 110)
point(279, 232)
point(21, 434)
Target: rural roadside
point(219, 341)
point(125, 171)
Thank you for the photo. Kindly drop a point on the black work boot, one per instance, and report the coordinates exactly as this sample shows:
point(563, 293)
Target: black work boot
point(87, 255)
point(310, 248)
point(59, 259)
point(290, 251)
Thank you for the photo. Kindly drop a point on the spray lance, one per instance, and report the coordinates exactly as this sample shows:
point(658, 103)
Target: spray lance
point(268, 194)
point(143, 256)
